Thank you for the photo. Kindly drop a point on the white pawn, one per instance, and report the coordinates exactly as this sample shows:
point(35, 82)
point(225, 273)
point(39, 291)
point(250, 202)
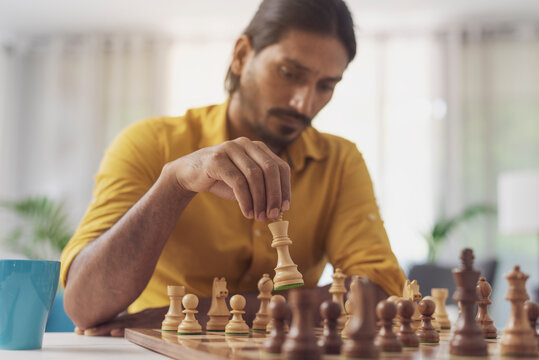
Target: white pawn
point(236, 325)
point(190, 325)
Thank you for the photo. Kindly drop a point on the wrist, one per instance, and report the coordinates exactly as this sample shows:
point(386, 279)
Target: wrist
point(169, 177)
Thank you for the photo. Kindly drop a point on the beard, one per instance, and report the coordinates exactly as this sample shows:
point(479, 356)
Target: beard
point(256, 119)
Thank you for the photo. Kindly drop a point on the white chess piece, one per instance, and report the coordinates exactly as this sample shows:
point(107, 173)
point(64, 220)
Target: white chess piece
point(236, 325)
point(190, 325)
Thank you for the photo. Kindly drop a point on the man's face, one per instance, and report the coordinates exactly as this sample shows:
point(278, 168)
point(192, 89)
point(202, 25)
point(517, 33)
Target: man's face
point(286, 84)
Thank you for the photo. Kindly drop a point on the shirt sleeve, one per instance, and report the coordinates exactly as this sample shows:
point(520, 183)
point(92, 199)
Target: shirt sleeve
point(357, 241)
point(130, 166)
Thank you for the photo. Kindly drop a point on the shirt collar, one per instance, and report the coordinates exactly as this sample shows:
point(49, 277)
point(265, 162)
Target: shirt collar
point(309, 145)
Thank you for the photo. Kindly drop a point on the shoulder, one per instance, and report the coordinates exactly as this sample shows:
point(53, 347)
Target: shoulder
point(186, 129)
point(336, 148)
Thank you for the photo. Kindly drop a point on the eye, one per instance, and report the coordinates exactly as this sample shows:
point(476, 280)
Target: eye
point(285, 72)
point(326, 87)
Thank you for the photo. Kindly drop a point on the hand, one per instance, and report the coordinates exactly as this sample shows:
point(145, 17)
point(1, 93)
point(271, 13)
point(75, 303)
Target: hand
point(243, 170)
point(146, 319)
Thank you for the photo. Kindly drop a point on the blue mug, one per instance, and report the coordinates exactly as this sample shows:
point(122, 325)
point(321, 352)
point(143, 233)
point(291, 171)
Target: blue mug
point(27, 290)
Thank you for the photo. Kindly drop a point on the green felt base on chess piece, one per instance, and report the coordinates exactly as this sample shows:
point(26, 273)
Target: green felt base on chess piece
point(215, 331)
point(170, 331)
point(182, 333)
point(284, 287)
point(260, 330)
point(236, 334)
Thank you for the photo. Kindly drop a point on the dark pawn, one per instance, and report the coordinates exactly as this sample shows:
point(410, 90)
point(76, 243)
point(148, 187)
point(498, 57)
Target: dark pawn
point(279, 312)
point(361, 328)
point(532, 312)
point(468, 338)
point(426, 332)
point(407, 336)
point(483, 318)
point(301, 340)
point(386, 340)
point(331, 340)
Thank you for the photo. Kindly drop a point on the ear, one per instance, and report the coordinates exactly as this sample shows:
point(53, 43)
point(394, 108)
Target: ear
point(242, 50)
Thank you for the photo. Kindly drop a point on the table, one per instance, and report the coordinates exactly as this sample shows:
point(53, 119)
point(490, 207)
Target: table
point(71, 346)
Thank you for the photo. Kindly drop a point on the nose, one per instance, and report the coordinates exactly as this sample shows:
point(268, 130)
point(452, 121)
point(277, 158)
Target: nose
point(302, 100)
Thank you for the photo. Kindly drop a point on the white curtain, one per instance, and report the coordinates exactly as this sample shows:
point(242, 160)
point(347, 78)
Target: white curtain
point(391, 104)
point(63, 99)
point(496, 127)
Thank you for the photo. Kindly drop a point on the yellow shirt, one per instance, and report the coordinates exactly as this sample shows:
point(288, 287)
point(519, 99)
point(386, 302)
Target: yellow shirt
point(333, 214)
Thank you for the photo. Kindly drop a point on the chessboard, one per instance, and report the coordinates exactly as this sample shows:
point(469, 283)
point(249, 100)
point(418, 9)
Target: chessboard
point(218, 346)
point(293, 334)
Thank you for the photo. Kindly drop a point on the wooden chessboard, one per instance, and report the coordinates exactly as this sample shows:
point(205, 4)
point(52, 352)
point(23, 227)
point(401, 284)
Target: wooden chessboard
point(218, 346)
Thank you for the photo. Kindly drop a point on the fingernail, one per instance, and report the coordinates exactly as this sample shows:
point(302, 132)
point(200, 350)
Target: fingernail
point(286, 205)
point(262, 216)
point(274, 213)
point(250, 214)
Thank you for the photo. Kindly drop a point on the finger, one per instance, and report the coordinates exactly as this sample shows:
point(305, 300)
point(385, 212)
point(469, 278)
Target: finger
point(272, 178)
point(223, 169)
point(117, 332)
point(98, 331)
point(284, 173)
point(253, 174)
point(222, 190)
point(78, 331)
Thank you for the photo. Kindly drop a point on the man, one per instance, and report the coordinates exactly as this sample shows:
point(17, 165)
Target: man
point(181, 200)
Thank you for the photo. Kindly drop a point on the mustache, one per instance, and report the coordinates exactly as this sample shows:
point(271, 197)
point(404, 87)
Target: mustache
point(285, 112)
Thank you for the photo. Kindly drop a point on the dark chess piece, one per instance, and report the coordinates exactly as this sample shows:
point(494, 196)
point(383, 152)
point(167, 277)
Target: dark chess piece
point(427, 332)
point(362, 327)
point(406, 335)
point(301, 340)
point(386, 340)
point(532, 310)
point(279, 312)
point(331, 340)
point(483, 318)
point(468, 338)
point(518, 339)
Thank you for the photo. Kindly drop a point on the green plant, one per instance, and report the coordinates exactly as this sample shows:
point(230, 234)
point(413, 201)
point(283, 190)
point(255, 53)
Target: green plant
point(43, 230)
point(443, 227)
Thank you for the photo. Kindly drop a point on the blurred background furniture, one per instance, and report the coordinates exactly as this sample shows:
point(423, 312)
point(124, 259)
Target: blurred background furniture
point(431, 276)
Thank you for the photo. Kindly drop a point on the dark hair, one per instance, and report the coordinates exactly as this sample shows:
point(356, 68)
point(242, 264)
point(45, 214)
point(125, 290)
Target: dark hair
point(275, 17)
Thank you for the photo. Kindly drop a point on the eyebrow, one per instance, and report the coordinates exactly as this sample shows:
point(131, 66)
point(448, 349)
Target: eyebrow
point(305, 68)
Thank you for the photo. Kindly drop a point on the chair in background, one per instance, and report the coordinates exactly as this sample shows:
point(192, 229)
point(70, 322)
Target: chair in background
point(431, 276)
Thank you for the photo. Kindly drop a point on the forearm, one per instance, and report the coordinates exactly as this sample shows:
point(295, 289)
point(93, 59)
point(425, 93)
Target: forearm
point(112, 271)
